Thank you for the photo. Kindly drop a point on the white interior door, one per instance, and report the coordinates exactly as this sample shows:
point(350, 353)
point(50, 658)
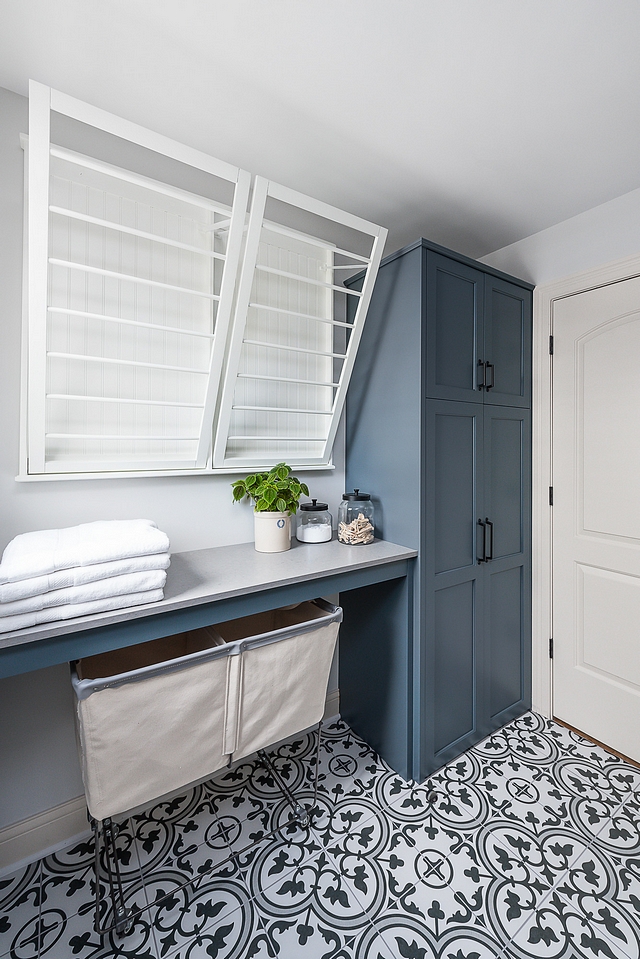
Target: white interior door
point(596, 513)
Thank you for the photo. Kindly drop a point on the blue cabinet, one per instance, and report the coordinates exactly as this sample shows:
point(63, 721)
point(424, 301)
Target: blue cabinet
point(439, 431)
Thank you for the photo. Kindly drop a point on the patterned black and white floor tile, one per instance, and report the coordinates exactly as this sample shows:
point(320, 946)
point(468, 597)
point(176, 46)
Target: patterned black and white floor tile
point(583, 926)
point(525, 847)
point(19, 909)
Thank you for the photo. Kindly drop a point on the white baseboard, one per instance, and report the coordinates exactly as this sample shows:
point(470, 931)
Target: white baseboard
point(332, 705)
point(52, 830)
point(46, 832)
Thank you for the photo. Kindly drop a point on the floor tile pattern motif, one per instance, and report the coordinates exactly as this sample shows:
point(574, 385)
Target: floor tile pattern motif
point(526, 846)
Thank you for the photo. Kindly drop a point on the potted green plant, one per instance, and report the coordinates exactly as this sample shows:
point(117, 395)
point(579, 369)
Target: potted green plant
point(276, 495)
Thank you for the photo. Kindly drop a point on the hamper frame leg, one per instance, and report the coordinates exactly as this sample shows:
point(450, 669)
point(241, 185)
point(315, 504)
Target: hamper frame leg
point(96, 876)
point(123, 917)
point(314, 808)
point(301, 814)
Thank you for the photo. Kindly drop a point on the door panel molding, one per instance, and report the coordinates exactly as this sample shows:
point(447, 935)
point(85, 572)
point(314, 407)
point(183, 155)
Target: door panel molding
point(544, 298)
point(607, 353)
point(597, 647)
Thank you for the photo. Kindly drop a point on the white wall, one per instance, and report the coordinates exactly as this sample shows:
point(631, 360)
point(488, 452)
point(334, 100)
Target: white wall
point(38, 765)
point(601, 235)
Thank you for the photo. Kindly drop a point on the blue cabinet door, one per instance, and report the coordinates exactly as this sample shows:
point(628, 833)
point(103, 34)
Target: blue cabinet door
point(507, 571)
point(452, 598)
point(454, 329)
point(507, 343)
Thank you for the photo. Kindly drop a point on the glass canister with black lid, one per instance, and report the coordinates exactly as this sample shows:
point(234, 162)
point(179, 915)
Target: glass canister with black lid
point(314, 523)
point(356, 524)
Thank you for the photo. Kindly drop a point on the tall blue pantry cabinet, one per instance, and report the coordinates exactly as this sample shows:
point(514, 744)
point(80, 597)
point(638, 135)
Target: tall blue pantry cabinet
point(439, 432)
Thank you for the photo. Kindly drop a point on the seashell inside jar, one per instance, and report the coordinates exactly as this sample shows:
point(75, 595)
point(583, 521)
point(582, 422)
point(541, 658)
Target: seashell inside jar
point(356, 525)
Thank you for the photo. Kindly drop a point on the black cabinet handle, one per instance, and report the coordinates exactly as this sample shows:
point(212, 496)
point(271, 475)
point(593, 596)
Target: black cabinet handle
point(487, 367)
point(481, 553)
point(480, 375)
point(489, 527)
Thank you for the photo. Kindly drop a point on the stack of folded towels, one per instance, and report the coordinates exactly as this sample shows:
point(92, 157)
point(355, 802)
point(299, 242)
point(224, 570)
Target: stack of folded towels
point(59, 574)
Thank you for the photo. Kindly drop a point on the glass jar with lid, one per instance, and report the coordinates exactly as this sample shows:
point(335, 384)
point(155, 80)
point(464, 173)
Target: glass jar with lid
point(356, 525)
point(314, 523)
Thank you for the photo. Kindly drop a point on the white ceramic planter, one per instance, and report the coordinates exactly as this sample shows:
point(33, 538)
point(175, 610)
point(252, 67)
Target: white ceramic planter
point(272, 532)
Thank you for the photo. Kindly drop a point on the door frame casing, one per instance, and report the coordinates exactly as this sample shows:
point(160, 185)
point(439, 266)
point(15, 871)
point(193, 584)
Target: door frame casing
point(544, 298)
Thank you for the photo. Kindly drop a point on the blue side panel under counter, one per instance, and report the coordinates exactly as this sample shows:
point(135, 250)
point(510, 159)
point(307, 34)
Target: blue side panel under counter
point(375, 669)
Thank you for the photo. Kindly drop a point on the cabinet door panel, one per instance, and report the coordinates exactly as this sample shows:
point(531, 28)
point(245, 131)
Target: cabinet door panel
point(452, 698)
point(455, 430)
point(505, 615)
point(507, 343)
point(507, 576)
point(454, 330)
point(507, 466)
point(454, 666)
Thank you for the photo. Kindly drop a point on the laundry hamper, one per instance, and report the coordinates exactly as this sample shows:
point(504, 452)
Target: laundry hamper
point(157, 716)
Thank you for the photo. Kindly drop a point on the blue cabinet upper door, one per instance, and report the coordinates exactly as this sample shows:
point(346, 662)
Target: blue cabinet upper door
point(507, 343)
point(454, 332)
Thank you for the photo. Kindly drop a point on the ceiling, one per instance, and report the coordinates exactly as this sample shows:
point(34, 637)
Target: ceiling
point(472, 122)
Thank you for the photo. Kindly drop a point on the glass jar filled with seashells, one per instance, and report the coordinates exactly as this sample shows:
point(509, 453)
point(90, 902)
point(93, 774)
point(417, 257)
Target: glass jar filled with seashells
point(356, 526)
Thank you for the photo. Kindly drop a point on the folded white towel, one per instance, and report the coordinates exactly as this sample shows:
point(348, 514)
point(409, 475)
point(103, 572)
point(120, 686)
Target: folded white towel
point(43, 552)
point(80, 575)
point(88, 593)
point(27, 620)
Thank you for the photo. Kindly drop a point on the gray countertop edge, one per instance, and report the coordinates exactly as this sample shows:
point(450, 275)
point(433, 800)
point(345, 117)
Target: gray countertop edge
point(192, 574)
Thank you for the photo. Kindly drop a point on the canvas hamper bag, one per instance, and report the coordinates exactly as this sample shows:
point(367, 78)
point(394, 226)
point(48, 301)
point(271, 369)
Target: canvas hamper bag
point(150, 719)
point(284, 671)
point(160, 715)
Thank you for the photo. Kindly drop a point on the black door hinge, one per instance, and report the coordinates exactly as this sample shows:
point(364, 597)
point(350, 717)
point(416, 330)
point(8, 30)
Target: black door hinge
point(551, 496)
point(551, 345)
point(550, 647)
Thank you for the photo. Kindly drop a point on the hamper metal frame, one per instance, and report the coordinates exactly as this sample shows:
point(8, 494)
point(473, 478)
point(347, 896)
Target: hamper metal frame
point(239, 744)
point(124, 917)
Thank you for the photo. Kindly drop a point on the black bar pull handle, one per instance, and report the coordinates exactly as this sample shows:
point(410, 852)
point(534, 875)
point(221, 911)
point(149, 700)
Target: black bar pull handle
point(481, 552)
point(480, 376)
point(489, 553)
point(489, 386)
